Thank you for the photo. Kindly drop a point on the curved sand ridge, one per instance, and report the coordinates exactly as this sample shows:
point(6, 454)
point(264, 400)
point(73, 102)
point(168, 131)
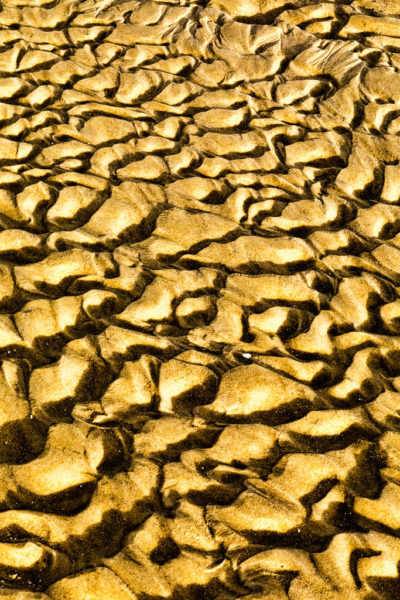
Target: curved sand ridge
point(200, 300)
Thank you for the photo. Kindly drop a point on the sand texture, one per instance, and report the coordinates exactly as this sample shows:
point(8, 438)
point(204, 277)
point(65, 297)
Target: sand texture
point(199, 300)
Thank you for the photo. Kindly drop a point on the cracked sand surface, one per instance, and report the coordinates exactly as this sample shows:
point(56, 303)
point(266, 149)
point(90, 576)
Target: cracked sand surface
point(200, 300)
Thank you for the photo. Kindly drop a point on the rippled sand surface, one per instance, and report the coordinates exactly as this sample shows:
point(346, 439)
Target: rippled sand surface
point(199, 300)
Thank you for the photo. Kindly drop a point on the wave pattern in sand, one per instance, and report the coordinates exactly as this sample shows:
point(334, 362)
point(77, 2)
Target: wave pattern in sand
point(200, 300)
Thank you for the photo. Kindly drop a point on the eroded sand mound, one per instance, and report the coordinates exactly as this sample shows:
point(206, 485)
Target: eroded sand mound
point(199, 294)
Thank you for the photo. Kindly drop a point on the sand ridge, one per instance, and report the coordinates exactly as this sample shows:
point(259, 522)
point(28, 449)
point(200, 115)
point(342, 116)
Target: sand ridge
point(199, 300)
